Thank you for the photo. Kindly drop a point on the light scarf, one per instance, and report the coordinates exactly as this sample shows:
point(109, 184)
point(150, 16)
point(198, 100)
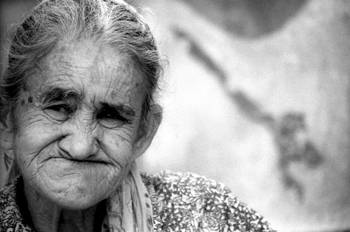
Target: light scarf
point(130, 208)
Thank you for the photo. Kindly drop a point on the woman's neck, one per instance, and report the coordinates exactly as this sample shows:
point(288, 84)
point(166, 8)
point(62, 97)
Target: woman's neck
point(48, 217)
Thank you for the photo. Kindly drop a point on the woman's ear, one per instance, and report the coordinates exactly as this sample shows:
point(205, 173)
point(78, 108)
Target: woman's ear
point(147, 129)
point(6, 135)
point(8, 168)
point(7, 132)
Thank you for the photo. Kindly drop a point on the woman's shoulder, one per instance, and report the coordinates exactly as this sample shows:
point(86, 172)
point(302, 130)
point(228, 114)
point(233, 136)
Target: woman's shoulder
point(8, 197)
point(187, 200)
point(10, 215)
point(172, 184)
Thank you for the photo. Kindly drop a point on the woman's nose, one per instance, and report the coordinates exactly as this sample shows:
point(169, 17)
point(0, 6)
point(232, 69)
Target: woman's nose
point(81, 143)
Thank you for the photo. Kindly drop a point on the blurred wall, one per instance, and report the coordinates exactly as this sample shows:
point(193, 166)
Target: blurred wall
point(11, 12)
point(256, 96)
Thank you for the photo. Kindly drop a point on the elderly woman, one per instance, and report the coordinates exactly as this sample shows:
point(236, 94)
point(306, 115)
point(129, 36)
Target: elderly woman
point(76, 111)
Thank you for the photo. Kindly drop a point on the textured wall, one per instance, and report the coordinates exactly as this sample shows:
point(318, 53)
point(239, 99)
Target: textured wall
point(257, 96)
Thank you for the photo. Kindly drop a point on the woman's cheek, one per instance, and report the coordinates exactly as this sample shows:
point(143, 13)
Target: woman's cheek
point(118, 147)
point(34, 143)
point(27, 165)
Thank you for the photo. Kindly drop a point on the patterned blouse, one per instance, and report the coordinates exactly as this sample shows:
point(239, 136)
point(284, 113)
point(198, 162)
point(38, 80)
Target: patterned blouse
point(181, 202)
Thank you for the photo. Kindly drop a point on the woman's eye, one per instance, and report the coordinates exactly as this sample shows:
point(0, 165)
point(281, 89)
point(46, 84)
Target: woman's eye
point(111, 119)
point(58, 112)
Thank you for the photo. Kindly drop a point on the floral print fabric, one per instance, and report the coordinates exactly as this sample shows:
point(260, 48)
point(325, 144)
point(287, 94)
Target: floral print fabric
point(180, 202)
point(10, 218)
point(188, 202)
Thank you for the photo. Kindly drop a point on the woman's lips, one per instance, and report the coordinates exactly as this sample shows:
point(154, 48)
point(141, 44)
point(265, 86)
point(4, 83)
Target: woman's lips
point(89, 160)
point(64, 162)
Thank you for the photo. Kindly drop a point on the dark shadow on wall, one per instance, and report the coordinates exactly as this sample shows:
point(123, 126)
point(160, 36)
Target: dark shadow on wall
point(248, 18)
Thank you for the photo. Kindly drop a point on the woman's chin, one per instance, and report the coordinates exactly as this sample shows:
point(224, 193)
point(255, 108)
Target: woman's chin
point(73, 192)
point(73, 197)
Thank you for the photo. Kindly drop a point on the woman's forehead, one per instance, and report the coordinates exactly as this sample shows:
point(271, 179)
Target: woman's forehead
point(87, 67)
point(86, 58)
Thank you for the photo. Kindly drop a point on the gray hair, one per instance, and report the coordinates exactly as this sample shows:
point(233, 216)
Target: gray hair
point(113, 22)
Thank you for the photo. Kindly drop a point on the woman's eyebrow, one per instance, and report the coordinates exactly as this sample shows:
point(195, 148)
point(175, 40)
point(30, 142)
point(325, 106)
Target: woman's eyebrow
point(57, 94)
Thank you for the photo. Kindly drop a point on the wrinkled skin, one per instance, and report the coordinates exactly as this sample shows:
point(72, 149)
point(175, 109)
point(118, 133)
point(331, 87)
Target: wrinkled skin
point(78, 126)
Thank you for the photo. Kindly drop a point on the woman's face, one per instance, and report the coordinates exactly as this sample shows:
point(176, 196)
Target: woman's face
point(78, 124)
